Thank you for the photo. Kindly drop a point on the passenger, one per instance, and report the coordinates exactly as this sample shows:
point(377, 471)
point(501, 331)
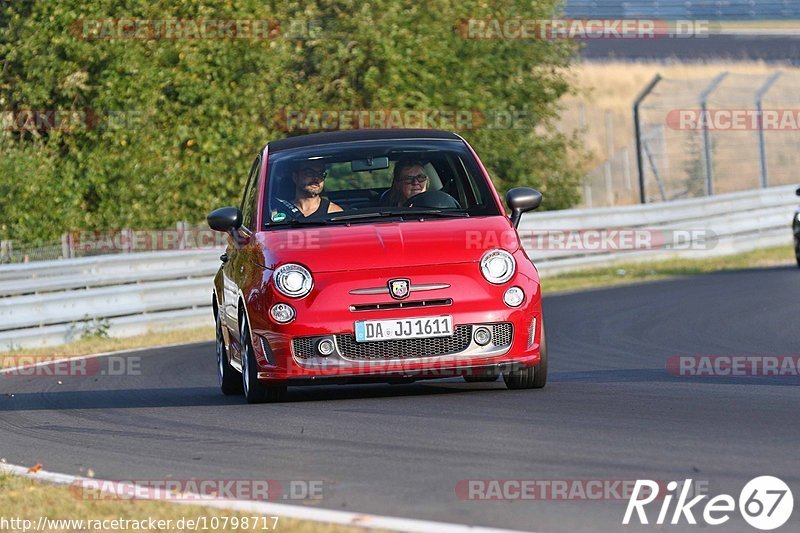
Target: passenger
point(409, 180)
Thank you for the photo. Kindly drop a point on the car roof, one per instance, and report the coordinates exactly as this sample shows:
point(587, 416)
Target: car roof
point(316, 139)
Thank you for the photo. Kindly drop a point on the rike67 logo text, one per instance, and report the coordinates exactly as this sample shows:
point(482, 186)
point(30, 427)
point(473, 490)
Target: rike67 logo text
point(765, 503)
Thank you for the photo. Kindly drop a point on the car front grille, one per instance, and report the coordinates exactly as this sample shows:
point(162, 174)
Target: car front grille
point(305, 347)
point(502, 334)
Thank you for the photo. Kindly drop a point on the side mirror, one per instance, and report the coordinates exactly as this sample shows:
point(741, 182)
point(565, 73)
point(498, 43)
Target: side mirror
point(225, 219)
point(521, 200)
point(797, 192)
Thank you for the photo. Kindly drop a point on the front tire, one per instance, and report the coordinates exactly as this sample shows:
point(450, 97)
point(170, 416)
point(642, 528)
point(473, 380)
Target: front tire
point(254, 390)
point(229, 381)
point(797, 248)
point(531, 377)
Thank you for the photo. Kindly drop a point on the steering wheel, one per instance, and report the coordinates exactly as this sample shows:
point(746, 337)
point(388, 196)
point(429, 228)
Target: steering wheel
point(434, 199)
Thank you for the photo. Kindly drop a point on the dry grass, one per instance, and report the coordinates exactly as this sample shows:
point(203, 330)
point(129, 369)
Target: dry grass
point(613, 86)
point(606, 91)
point(758, 25)
point(102, 345)
point(27, 499)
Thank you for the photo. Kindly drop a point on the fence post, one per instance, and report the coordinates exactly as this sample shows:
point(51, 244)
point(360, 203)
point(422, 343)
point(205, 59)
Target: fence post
point(609, 153)
point(762, 145)
point(626, 168)
point(126, 236)
point(638, 133)
point(182, 228)
point(5, 251)
point(67, 246)
point(706, 137)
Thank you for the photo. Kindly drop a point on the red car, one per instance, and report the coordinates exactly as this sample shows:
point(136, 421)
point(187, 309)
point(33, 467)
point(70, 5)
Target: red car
point(374, 255)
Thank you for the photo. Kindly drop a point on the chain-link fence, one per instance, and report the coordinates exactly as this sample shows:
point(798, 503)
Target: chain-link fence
point(726, 133)
point(605, 135)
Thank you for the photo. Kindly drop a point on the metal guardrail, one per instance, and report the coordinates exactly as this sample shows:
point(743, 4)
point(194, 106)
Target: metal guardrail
point(737, 222)
point(53, 302)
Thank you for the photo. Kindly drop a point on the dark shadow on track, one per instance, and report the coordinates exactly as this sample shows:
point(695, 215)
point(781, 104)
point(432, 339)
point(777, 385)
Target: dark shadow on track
point(660, 375)
point(210, 396)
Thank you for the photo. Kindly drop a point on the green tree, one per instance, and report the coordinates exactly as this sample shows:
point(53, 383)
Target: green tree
point(174, 123)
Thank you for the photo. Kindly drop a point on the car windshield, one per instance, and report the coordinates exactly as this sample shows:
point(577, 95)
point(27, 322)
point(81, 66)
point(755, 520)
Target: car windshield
point(368, 180)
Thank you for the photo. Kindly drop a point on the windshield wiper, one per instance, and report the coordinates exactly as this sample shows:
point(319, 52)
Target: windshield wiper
point(401, 213)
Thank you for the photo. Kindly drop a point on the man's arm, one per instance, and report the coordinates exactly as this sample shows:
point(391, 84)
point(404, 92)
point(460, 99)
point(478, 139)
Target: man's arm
point(334, 208)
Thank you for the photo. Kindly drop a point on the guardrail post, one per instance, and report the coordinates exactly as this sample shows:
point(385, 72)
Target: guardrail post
point(762, 145)
point(638, 133)
point(709, 164)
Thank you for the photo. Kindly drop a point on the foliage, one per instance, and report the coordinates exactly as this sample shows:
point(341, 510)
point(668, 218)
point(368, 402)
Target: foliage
point(173, 124)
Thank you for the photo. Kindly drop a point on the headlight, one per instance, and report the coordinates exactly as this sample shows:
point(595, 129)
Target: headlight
point(497, 266)
point(293, 280)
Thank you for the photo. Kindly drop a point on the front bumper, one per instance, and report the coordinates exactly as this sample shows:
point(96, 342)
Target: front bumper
point(289, 353)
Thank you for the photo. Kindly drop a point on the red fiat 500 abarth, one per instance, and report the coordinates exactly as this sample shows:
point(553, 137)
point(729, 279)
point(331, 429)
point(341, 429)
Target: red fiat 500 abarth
point(374, 255)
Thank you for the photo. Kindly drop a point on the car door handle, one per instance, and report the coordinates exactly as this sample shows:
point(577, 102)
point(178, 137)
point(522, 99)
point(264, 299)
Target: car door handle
point(224, 258)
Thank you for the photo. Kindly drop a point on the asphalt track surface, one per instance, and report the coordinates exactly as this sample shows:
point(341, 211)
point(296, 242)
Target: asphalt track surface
point(610, 412)
point(772, 49)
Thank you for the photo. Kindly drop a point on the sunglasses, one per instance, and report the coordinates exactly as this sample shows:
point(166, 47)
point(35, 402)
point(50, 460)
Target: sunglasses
point(313, 173)
point(408, 180)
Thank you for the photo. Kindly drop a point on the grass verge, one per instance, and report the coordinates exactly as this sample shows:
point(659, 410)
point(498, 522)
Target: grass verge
point(100, 345)
point(26, 499)
point(624, 274)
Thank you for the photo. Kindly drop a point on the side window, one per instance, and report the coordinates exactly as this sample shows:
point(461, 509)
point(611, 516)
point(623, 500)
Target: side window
point(250, 196)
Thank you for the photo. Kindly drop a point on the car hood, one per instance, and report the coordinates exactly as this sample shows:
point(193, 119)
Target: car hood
point(395, 244)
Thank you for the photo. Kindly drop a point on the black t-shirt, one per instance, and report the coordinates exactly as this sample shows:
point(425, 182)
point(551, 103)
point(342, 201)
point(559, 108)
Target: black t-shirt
point(322, 210)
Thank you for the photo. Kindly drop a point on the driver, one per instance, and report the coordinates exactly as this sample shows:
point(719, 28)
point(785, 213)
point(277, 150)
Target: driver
point(409, 180)
point(309, 180)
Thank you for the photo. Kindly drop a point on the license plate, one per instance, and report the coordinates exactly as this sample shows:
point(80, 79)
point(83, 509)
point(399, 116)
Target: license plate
point(404, 328)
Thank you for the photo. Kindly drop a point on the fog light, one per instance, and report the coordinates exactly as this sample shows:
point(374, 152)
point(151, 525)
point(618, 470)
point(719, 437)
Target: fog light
point(282, 313)
point(325, 347)
point(482, 336)
point(514, 297)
